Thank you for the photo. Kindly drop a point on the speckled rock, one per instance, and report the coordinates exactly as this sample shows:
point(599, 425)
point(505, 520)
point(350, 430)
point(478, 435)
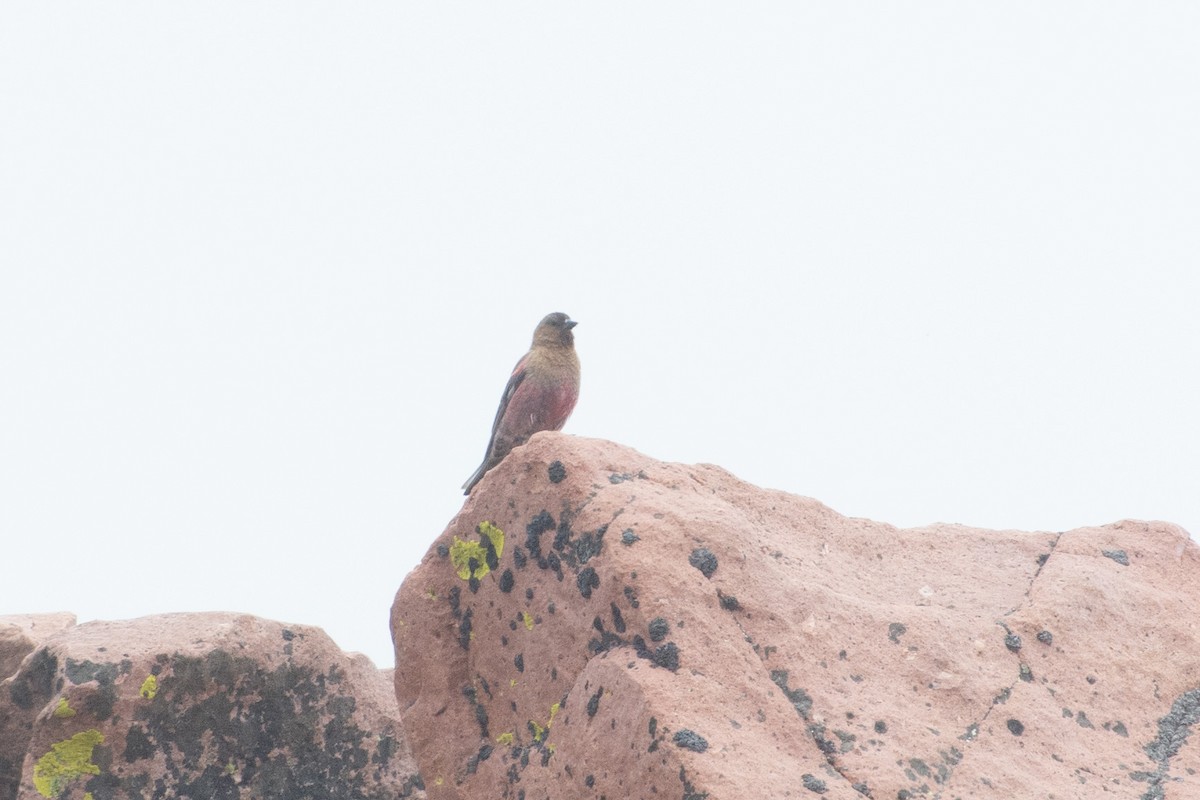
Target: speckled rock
point(595, 624)
point(21, 633)
point(200, 706)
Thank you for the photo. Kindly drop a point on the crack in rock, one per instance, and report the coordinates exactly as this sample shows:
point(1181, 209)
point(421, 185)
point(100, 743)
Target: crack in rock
point(1173, 730)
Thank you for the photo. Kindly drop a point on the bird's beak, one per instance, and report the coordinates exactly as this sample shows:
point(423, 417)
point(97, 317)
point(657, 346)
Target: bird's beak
point(570, 324)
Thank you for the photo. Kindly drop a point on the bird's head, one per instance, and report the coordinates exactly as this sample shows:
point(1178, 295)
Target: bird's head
point(555, 331)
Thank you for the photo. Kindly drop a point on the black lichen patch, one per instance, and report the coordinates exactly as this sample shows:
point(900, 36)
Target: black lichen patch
point(586, 580)
point(631, 596)
point(1012, 642)
point(385, 749)
point(506, 581)
point(659, 628)
point(728, 601)
point(576, 549)
point(797, 697)
point(1045, 637)
point(137, 744)
point(443, 551)
point(519, 662)
point(628, 537)
point(813, 784)
point(519, 557)
point(481, 715)
point(490, 556)
point(690, 740)
point(33, 685)
point(617, 618)
point(880, 726)
point(656, 738)
point(540, 523)
point(1119, 556)
point(607, 641)
point(464, 629)
point(287, 731)
point(1015, 727)
point(483, 754)
point(666, 656)
point(1083, 722)
point(823, 742)
point(895, 631)
point(593, 703)
point(689, 791)
point(556, 472)
point(100, 703)
point(704, 560)
point(921, 771)
point(83, 671)
point(1173, 731)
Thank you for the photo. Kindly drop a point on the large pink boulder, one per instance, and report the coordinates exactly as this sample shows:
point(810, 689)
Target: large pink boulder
point(596, 624)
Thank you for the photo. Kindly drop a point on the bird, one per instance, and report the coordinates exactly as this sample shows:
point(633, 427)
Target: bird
point(540, 395)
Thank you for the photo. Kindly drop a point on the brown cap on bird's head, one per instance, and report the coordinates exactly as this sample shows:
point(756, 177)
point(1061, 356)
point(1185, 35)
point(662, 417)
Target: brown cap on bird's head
point(555, 331)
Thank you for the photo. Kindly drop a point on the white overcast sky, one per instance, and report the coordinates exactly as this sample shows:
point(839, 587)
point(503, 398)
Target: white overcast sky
point(266, 268)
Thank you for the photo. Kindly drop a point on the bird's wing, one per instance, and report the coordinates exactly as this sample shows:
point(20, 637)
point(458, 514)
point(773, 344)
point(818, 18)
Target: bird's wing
point(518, 375)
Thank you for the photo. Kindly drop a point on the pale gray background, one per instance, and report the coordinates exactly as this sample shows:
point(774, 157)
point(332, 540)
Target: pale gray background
point(266, 268)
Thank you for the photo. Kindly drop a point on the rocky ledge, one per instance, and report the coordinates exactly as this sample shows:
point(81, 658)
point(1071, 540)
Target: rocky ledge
point(207, 706)
point(596, 624)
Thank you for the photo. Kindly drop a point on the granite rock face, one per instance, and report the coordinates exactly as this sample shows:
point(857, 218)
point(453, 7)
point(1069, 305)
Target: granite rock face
point(199, 706)
point(595, 624)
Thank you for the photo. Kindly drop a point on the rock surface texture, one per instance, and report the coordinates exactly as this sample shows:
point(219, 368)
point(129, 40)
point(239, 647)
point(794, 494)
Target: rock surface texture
point(206, 706)
point(595, 624)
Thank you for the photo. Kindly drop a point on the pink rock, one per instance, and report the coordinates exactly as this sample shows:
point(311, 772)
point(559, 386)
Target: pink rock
point(21, 633)
point(597, 624)
point(200, 705)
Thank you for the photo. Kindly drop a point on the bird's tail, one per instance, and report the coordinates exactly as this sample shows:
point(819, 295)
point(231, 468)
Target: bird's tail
point(475, 476)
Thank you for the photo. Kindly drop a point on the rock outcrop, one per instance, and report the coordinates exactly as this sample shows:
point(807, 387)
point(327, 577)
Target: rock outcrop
point(21, 633)
point(199, 706)
point(595, 624)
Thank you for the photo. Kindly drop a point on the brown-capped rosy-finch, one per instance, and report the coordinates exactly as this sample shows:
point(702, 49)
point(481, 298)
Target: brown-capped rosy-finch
point(539, 396)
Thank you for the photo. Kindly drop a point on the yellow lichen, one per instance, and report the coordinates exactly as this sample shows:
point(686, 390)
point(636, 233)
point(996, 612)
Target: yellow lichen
point(541, 732)
point(527, 618)
point(66, 761)
point(493, 535)
point(63, 710)
point(470, 559)
point(149, 687)
point(505, 738)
